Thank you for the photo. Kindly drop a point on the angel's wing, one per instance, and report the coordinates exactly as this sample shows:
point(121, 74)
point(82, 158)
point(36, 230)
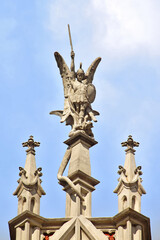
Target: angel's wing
point(57, 112)
point(91, 70)
point(64, 71)
point(96, 113)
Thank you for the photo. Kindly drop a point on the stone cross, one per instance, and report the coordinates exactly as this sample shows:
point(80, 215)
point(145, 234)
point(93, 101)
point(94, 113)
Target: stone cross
point(130, 144)
point(31, 144)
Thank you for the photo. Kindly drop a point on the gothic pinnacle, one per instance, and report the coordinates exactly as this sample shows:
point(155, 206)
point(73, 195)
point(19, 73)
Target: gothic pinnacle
point(130, 144)
point(31, 144)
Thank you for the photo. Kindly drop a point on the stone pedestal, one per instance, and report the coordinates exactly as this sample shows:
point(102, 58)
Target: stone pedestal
point(80, 174)
point(80, 160)
point(85, 184)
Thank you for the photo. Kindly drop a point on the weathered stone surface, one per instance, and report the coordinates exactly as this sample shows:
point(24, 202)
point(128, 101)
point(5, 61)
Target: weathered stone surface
point(129, 188)
point(79, 93)
point(29, 189)
point(101, 225)
point(128, 224)
point(78, 184)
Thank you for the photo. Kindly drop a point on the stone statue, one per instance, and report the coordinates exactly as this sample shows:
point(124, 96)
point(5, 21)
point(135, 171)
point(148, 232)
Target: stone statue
point(79, 93)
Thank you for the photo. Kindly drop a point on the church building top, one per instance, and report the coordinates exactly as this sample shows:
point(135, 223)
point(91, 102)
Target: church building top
point(78, 223)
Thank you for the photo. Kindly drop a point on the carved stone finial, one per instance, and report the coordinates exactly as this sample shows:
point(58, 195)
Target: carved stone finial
point(130, 144)
point(31, 144)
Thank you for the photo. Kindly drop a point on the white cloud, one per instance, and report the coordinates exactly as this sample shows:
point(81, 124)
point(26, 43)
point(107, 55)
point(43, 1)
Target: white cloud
point(118, 27)
point(127, 27)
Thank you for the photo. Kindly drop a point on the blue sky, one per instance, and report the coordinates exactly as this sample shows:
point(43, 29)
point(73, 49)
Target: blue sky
point(126, 35)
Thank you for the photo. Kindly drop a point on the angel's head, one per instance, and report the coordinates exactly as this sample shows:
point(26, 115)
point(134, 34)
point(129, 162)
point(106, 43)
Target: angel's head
point(80, 74)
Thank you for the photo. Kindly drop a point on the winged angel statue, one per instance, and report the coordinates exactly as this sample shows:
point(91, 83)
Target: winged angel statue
point(79, 93)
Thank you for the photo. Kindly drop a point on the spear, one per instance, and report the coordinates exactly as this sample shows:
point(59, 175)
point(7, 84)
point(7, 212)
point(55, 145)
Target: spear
point(72, 54)
point(70, 39)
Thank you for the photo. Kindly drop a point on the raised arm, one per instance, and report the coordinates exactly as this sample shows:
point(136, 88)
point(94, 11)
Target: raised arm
point(72, 62)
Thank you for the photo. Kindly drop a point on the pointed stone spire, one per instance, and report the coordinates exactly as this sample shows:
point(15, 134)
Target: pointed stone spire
point(30, 165)
point(29, 189)
point(130, 164)
point(129, 188)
